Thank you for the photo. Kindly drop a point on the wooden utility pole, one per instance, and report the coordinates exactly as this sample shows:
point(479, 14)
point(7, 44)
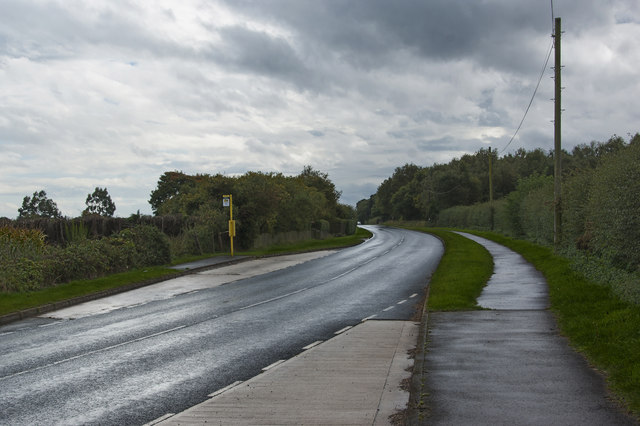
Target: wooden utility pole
point(557, 169)
point(490, 190)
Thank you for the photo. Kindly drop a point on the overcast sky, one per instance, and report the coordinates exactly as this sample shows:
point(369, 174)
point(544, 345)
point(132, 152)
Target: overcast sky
point(114, 93)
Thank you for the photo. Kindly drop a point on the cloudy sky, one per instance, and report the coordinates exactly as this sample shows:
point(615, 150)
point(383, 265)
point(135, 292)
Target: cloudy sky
point(113, 93)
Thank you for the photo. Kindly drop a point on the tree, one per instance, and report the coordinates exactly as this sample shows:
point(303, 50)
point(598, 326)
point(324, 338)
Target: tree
point(99, 203)
point(38, 206)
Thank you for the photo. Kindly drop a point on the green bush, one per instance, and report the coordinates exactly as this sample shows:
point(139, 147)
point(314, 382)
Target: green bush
point(537, 211)
point(576, 228)
point(614, 208)
point(151, 245)
point(20, 254)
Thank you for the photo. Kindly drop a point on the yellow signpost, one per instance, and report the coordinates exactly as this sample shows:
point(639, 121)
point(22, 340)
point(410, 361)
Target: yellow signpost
point(227, 201)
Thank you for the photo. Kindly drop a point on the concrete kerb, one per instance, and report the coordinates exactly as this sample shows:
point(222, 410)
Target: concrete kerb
point(43, 309)
point(416, 408)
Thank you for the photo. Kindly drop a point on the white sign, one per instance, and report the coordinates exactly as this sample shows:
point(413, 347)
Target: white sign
point(225, 202)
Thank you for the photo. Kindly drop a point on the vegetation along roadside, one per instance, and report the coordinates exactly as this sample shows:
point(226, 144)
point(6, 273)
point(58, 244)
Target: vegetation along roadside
point(452, 288)
point(597, 322)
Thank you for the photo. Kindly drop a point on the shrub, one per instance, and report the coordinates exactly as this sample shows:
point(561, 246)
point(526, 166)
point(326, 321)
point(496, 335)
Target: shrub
point(151, 245)
point(614, 208)
point(20, 254)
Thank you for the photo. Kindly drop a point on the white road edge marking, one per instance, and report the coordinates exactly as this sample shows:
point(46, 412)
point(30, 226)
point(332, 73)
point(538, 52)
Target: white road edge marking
point(160, 419)
point(312, 345)
point(269, 367)
point(342, 330)
point(7, 333)
point(224, 389)
point(369, 317)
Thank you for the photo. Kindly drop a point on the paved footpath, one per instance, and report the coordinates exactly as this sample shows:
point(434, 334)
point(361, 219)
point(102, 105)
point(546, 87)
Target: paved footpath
point(352, 379)
point(510, 365)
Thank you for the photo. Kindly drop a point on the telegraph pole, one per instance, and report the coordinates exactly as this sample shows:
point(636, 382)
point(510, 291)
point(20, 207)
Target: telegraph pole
point(557, 169)
point(490, 190)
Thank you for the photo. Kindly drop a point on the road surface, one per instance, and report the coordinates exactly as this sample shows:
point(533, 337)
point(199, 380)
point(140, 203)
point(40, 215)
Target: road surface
point(134, 363)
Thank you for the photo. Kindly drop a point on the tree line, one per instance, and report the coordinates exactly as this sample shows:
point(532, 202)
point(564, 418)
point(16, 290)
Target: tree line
point(600, 197)
point(39, 205)
point(41, 248)
point(263, 203)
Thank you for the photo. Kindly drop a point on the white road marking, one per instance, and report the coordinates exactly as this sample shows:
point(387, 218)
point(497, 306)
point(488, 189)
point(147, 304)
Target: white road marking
point(369, 317)
point(312, 345)
point(388, 309)
point(50, 324)
point(274, 298)
point(402, 301)
point(224, 389)
point(268, 367)
point(413, 295)
point(159, 419)
point(91, 353)
point(343, 274)
point(7, 333)
point(342, 330)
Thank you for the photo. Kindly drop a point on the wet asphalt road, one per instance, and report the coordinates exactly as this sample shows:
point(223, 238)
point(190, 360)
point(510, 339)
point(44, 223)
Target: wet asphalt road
point(135, 364)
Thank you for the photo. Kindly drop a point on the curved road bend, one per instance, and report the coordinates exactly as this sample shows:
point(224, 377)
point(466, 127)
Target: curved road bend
point(135, 364)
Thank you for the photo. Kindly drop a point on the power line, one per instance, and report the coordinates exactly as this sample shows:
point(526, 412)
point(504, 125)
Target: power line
point(532, 97)
point(546, 62)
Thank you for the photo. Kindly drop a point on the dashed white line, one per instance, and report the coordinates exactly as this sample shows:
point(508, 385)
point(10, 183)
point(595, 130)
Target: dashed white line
point(224, 389)
point(369, 317)
point(312, 345)
point(159, 419)
point(413, 295)
point(7, 333)
point(268, 367)
point(342, 330)
point(402, 301)
point(388, 309)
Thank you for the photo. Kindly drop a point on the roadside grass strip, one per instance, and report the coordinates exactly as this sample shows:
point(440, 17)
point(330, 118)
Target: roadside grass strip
point(598, 324)
point(14, 302)
point(464, 270)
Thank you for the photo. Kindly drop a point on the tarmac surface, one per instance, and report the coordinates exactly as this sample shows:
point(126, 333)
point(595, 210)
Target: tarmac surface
point(506, 365)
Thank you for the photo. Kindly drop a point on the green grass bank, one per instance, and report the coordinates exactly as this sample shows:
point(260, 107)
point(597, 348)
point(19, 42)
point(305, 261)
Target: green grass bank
point(598, 324)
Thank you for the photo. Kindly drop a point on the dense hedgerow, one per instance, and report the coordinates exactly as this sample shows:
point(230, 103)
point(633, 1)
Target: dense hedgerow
point(30, 264)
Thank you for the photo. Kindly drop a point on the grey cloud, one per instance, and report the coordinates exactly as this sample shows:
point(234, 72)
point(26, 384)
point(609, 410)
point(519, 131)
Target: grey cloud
point(367, 32)
point(262, 54)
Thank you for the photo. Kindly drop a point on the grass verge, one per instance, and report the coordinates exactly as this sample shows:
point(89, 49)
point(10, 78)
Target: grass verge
point(598, 324)
point(14, 302)
point(463, 271)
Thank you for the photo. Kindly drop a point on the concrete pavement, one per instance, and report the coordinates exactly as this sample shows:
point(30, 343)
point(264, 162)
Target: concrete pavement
point(352, 379)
